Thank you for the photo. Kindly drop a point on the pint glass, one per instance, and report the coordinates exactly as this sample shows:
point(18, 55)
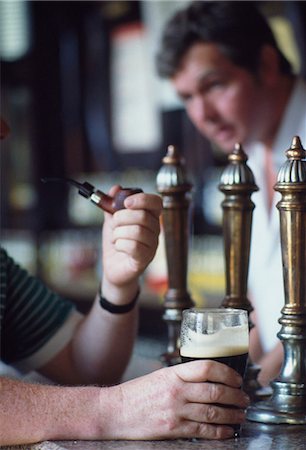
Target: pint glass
point(221, 334)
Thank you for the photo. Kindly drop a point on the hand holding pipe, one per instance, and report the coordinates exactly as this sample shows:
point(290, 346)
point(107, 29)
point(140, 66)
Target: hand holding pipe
point(99, 198)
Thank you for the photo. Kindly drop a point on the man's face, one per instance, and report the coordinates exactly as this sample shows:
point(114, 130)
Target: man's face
point(224, 101)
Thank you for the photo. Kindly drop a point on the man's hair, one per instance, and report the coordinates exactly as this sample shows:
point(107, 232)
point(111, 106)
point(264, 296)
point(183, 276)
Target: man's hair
point(238, 28)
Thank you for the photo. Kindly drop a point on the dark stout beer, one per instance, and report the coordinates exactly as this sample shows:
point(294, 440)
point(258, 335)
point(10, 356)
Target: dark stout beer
point(235, 361)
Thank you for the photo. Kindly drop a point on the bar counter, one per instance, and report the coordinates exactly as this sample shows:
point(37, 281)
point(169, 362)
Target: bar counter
point(254, 436)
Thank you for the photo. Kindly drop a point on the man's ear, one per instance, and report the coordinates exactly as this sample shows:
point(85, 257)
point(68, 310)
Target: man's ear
point(269, 65)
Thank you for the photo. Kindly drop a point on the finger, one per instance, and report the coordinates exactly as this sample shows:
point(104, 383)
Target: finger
point(139, 217)
point(197, 371)
point(212, 414)
point(140, 253)
point(136, 233)
point(114, 189)
point(191, 429)
point(216, 393)
point(146, 201)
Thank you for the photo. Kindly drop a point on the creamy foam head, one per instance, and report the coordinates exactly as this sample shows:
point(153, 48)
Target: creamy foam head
point(225, 342)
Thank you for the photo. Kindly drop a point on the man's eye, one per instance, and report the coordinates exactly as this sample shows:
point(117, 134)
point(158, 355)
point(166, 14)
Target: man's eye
point(213, 84)
point(185, 98)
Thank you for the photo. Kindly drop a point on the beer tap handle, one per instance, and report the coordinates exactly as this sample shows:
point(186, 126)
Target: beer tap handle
point(174, 188)
point(287, 404)
point(238, 184)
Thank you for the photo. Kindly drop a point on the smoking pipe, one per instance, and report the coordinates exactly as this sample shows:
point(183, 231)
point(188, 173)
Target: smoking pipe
point(103, 201)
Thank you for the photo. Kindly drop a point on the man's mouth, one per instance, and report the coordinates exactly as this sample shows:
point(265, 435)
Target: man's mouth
point(223, 134)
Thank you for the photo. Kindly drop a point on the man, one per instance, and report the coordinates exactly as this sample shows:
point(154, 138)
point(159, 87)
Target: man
point(41, 331)
point(237, 86)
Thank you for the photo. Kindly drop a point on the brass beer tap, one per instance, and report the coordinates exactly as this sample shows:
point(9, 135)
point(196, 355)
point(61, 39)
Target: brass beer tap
point(174, 189)
point(288, 401)
point(238, 184)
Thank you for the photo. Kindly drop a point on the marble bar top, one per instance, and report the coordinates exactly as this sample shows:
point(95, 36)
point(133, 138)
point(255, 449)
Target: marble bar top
point(254, 436)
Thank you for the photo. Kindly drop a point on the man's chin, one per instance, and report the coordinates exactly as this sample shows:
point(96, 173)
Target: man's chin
point(225, 147)
point(225, 142)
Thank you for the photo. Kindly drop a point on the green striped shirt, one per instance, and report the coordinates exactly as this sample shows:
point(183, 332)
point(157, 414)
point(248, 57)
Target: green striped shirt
point(30, 313)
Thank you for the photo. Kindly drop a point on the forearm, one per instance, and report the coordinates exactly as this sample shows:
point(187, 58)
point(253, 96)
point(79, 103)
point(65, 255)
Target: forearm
point(270, 364)
point(103, 344)
point(32, 412)
point(195, 399)
point(100, 348)
point(255, 348)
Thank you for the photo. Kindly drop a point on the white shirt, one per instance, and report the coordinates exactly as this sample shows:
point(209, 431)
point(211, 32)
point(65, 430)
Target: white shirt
point(265, 273)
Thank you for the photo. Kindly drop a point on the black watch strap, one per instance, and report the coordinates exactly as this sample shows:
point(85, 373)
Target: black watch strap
point(118, 309)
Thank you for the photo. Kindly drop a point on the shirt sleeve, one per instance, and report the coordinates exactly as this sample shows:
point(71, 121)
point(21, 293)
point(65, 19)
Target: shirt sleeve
point(52, 347)
point(36, 323)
